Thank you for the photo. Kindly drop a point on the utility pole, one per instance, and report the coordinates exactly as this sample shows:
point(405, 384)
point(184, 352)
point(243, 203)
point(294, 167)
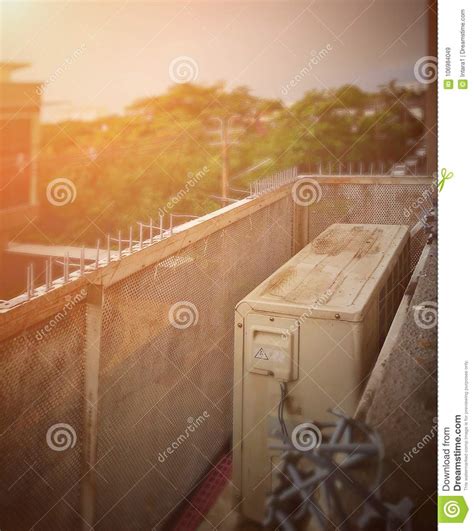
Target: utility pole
point(225, 160)
point(225, 144)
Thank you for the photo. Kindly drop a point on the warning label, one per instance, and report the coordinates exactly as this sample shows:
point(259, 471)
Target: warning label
point(261, 355)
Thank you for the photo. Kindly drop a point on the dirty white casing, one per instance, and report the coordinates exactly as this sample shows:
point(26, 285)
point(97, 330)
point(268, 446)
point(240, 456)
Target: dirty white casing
point(317, 323)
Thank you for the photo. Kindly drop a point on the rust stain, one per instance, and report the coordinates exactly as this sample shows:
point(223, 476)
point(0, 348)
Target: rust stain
point(281, 280)
point(370, 245)
point(358, 240)
point(355, 242)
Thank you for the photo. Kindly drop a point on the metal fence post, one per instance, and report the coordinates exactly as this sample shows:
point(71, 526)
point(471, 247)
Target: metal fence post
point(300, 228)
point(94, 306)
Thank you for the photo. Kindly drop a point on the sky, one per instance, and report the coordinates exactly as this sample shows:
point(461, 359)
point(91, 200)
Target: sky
point(101, 56)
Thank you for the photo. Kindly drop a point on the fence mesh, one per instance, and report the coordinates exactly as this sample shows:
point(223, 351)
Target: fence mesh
point(398, 204)
point(166, 370)
point(41, 392)
point(166, 374)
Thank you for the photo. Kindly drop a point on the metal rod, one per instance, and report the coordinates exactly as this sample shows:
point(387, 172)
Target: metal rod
point(28, 281)
point(141, 237)
point(97, 255)
point(120, 244)
point(171, 224)
point(47, 274)
point(151, 230)
point(66, 267)
point(191, 215)
point(161, 226)
point(28, 288)
point(130, 237)
point(108, 248)
point(81, 266)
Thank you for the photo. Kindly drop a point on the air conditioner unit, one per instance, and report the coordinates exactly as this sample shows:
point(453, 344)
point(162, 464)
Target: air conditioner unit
point(317, 324)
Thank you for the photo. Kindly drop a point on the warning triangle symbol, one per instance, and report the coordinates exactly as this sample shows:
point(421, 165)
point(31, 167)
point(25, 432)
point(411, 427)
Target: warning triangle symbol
point(261, 355)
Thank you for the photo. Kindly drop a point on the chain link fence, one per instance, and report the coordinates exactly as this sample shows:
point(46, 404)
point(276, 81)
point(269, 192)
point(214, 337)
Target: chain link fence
point(41, 423)
point(167, 366)
point(384, 203)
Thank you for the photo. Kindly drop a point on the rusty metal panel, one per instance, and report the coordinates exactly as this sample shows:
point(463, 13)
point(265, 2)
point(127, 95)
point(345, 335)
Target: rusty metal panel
point(391, 204)
point(166, 373)
point(41, 423)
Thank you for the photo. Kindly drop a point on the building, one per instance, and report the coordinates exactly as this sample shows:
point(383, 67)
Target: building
point(20, 104)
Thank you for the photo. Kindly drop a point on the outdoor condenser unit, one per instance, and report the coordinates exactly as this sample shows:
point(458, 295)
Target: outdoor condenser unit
point(317, 323)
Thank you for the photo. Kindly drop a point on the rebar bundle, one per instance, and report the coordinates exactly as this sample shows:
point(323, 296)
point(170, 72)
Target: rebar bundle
point(334, 485)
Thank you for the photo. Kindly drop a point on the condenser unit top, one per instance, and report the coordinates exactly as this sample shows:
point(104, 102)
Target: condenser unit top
point(334, 276)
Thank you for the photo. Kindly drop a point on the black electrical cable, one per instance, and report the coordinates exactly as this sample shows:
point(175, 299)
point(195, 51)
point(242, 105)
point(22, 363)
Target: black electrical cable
point(281, 408)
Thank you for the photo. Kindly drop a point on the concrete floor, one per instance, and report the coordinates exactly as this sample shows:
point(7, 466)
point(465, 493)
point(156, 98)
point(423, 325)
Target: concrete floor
point(224, 514)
